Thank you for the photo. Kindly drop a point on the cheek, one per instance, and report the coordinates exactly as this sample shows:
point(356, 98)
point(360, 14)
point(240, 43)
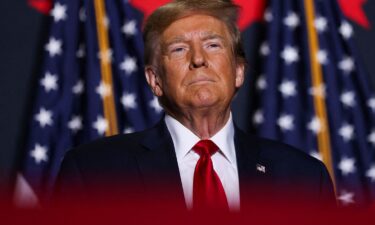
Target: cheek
point(174, 66)
point(225, 67)
point(173, 78)
point(175, 70)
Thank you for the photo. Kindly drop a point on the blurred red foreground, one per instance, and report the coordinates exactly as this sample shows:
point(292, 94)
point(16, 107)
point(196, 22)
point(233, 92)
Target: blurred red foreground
point(117, 210)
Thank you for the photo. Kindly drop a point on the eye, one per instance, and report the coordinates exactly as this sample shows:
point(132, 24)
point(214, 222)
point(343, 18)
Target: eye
point(178, 49)
point(213, 45)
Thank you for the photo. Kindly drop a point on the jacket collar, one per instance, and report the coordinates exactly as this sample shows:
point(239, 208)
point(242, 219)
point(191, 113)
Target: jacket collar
point(253, 172)
point(158, 163)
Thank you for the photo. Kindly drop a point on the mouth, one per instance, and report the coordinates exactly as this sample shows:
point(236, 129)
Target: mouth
point(201, 81)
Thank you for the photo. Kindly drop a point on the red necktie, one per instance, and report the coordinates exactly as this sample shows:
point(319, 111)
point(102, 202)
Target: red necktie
point(208, 192)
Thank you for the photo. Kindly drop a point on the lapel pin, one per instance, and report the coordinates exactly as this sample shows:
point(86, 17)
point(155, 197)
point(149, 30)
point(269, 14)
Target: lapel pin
point(261, 168)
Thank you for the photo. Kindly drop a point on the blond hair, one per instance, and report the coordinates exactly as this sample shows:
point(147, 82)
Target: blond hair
point(160, 19)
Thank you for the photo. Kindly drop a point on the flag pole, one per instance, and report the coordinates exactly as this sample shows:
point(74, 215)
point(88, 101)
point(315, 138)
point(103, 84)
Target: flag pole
point(105, 66)
point(323, 135)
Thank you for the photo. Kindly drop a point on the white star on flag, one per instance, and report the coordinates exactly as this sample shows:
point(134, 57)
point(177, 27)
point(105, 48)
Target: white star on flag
point(128, 130)
point(82, 14)
point(258, 117)
point(316, 155)
point(285, 122)
point(261, 83)
point(288, 88)
point(315, 125)
point(371, 104)
point(346, 198)
point(291, 20)
point(154, 103)
point(78, 88)
point(104, 90)
point(53, 47)
point(268, 17)
point(371, 138)
point(44, 117)
point(346, 30)
point(129, 28)
point(348, 98)
point(346, 165)
point(128, 101)
point(371, 173)
point(101, 125)
point(129, 65)
point(346, 64)
point(322, 57)
point(75, 124)
point(319, 91)
point(49, 82)
point(106, 22)
point(58, 12)
point(264, 49)
point(290, 54)
point(81, 51)
point(106, 55)
point(320, 24)
point(39, 153)
point(346, 131)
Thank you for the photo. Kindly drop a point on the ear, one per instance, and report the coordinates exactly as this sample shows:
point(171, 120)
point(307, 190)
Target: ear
point(240, 75)
point(153, 81)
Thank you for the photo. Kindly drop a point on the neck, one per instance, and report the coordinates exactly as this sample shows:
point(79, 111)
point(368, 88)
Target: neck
point(203, 124)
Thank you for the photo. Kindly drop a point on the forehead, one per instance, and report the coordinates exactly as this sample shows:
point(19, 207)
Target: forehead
point(197, 25)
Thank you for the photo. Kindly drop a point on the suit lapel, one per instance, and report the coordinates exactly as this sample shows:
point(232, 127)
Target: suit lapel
point(158, 163)
point(252, 171)
point(159, 169)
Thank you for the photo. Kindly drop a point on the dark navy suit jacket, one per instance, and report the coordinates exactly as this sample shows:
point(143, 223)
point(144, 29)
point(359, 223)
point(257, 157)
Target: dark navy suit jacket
point(147, 162)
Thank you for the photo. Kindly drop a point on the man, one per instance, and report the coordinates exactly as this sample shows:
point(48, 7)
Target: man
point(195, 65)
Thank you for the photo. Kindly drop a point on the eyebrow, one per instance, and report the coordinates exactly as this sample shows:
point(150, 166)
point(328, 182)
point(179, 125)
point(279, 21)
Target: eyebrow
point(213, 36)
point(206, 36)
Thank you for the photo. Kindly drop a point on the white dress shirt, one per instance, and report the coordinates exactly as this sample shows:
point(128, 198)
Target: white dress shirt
point(224, 160)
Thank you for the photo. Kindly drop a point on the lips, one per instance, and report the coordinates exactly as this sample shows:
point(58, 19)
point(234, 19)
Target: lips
point(201, 80)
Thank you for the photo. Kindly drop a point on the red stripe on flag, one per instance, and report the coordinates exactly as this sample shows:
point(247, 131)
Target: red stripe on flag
point(148, 6)
point(353, 9)
point(251, 11)
point(43, 6)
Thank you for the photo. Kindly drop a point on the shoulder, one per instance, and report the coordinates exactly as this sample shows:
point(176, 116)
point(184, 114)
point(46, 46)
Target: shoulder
point(287, 165)
point(119, 146)
point(280, 152)
point(281, 156)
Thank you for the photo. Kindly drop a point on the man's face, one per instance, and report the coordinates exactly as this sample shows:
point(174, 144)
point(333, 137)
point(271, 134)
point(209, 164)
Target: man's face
point(198, 66)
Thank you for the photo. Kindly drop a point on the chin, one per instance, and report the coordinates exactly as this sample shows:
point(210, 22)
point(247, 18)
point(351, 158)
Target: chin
point(205, 103)
point(205, 97)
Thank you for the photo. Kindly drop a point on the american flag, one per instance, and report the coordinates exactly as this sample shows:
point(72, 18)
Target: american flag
point(69, 107)
point(313, 93)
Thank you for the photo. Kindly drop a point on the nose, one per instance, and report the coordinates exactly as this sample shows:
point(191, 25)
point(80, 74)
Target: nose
point(198, 58)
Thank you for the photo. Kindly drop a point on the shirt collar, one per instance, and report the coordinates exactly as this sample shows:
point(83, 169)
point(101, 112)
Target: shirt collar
point(184, 139)
point(224, 139)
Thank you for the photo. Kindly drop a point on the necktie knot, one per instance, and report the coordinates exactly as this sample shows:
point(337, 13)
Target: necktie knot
point(205, 148)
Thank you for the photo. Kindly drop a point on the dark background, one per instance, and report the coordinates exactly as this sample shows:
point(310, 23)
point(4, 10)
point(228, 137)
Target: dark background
point(23, 33)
